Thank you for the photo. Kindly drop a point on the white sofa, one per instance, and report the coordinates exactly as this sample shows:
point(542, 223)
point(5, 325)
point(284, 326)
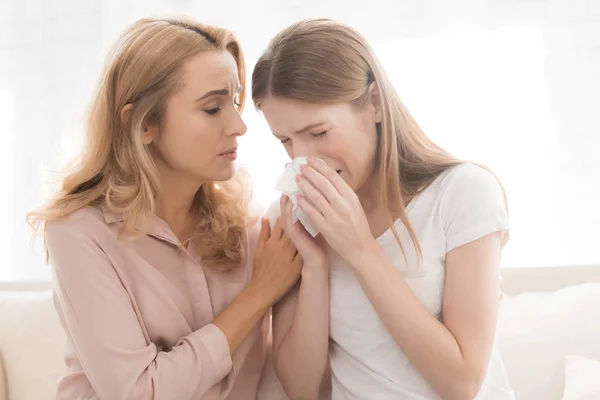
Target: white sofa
point(547, 314)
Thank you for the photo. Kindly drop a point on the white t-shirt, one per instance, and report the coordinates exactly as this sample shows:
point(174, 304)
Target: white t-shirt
point(463, 204)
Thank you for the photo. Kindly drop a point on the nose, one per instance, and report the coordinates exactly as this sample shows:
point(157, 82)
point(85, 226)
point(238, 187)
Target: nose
point(299, 150)
point(302, 148)
point(236, 127)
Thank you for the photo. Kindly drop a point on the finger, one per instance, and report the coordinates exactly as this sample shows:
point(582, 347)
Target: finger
point(332, 176)
point(277, 230)
point(288, 247)
point(317, 198)
point(265, 232)
point(283, 211)
point(322, 184)
point(296, 232)
point(286, 207)
point(313, 213)
point(298, 261)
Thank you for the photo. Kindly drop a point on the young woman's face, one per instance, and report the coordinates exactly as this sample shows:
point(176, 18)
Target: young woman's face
point(344, 136)
point(198, 137)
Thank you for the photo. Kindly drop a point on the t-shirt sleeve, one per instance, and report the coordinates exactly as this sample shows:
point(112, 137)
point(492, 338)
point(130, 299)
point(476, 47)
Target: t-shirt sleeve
point(473, 206)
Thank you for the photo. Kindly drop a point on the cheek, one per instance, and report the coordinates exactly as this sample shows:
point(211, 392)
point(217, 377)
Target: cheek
point(358, 157)
point(188, 141)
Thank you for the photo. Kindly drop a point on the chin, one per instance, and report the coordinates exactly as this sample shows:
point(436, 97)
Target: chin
point(223, 174)
point(351, 183)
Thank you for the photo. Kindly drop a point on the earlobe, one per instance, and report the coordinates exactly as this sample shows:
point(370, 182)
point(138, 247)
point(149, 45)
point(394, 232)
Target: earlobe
point(375, 98)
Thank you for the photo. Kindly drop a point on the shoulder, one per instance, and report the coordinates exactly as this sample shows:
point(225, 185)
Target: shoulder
point(271, 214)
point(467, 178)
point(465, 183)
point(79, 242)
point(473, 204)
point(87, 221)
point(85, 231)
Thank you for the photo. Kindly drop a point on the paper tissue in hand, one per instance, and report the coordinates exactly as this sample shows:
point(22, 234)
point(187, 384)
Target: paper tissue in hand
point(287, 185)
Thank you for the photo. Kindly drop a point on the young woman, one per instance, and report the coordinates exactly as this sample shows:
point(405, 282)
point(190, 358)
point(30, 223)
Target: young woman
point(399, 297)
point(162, 283)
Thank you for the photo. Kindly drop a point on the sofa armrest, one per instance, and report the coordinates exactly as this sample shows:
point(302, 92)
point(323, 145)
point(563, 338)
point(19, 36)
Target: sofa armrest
point(3, 388)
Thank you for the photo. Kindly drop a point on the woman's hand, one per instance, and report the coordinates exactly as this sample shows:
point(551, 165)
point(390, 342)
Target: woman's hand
point(277, 263)
point(335, 209)
point(314, 251)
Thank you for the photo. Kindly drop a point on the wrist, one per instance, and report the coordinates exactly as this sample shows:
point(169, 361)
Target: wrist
point(261, 296)
point(315, 270)
point(365, 256)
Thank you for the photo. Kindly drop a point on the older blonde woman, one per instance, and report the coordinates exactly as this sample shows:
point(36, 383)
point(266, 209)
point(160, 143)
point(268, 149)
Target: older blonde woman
point(162, 282)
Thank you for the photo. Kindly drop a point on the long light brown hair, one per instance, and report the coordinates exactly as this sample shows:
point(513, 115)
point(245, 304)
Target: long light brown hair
point(116, 171)
point(324, 61)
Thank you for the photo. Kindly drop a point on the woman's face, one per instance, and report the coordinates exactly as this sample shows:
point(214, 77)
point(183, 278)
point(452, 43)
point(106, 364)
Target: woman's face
point(198, 136)
point(341, 134)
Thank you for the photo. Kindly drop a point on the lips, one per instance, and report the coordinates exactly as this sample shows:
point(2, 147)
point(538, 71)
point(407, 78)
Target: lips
point(229, 151)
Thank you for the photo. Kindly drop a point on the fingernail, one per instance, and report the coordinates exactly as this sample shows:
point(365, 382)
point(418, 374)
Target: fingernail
point(311, 160)
point(299, 178)
point(303, 168)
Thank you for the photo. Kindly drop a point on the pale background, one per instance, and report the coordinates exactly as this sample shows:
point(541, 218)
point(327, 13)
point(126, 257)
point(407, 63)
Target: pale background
point(514, 84)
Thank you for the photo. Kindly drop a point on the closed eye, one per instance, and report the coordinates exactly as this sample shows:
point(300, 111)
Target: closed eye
point(320, 134)
point(212, 111)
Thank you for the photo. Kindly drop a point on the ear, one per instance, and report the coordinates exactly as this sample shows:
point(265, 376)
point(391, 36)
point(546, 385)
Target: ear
point(375, 101)
point(126, 112)
point(149, 132)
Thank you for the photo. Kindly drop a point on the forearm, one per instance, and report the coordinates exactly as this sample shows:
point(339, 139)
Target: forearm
point(427, 343)
point(242, 315)
point(300, 354)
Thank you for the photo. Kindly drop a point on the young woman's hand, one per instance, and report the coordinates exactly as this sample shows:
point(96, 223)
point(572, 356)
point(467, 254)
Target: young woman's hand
point(314, 251)
point(335, 210)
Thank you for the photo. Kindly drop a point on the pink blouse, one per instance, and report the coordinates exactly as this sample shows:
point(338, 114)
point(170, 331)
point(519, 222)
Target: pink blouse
point(137, 314)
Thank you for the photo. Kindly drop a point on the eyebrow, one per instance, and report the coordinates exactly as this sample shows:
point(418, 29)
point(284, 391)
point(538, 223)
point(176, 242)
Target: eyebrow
point(217, 92)
point(303, 130)
point(309, 127)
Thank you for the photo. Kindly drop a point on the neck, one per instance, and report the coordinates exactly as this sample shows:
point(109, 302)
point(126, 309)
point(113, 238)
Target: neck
point(377, 216)
point(175, 204)
point(369, 195)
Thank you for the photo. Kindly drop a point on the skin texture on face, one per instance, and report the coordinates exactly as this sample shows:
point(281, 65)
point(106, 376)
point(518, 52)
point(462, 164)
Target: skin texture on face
point(197, 140)
point(341, 134)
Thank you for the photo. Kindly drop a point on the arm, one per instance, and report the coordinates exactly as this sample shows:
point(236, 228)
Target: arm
point(452, 356)
point(301, 335)
point(301, 319)
point(99, 319)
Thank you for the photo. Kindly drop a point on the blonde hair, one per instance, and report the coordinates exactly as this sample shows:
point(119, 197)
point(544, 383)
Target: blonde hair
point(116, 171)
point(324, 61)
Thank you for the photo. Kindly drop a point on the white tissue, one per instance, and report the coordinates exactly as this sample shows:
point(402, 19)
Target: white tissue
point(287, 185)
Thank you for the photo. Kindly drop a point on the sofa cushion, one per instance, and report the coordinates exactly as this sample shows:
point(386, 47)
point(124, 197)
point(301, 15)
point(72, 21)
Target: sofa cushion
point(538, 330)
point(581, 379)
point(31, 344)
